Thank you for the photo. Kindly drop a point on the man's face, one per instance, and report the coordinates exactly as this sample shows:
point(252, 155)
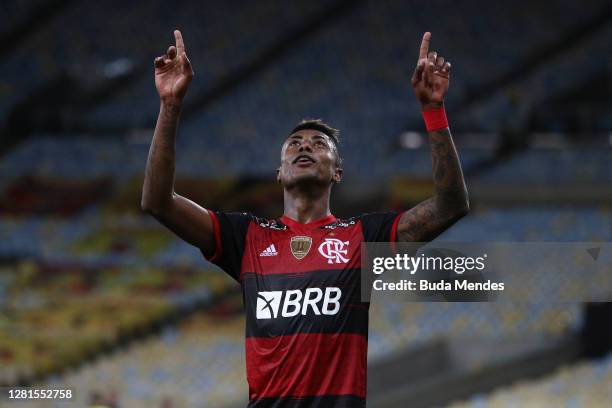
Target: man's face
point(308, 155)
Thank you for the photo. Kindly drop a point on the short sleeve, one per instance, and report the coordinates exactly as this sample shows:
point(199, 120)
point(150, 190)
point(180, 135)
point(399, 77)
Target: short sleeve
point(380, 227)
point(230, 230)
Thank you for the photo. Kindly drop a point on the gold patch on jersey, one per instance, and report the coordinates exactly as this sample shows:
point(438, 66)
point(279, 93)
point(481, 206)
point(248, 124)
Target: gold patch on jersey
point(300, 246)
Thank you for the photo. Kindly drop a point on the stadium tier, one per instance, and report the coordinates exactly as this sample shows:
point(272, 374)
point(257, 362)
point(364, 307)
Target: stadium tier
point(375, 88)
point(122, 268)
point(98, 50)
point(201, 363)
point(202, 359)
point(510, 106)
point(99, 297)
point(371, 100)
point(57, 315)
point(122, 160)
point(368, 39)
point(13, 13)
point(96, 240)
point(582, 385)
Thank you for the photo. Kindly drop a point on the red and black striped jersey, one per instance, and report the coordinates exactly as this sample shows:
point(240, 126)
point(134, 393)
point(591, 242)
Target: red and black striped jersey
point(306, 324)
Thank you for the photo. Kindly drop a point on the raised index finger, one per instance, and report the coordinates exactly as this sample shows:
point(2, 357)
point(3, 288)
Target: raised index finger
point(180, 45)
point(424, 45)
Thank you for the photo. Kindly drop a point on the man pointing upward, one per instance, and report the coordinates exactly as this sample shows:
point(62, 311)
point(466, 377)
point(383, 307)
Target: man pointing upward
point(306, 326)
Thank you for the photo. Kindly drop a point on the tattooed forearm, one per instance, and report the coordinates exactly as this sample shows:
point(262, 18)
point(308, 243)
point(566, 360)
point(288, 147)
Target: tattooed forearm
point(449, 184)
point(450, 202)
point(158, 185)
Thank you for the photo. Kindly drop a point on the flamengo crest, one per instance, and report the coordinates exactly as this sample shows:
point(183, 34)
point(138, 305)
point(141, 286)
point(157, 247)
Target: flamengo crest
point(334, 250)
point(300, 246)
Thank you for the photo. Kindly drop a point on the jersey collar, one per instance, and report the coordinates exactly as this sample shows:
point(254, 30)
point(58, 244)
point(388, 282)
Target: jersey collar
point(316, 223)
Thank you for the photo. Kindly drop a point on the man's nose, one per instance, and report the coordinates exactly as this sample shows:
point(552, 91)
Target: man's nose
point(305, 145)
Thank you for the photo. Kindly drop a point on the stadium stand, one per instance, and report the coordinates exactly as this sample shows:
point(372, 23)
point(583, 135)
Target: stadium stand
point(91, 55)
point(98, 297)
point(14, 12)
point(586, 384)
point(191, 348)
point(86, 158)
point(58, 315)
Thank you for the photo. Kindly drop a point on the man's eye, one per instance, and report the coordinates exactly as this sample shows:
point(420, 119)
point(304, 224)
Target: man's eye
point(320, 144)
point(293, 143)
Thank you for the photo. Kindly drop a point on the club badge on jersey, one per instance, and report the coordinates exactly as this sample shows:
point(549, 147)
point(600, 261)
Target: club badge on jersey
point(335, 250)
point(300, 245)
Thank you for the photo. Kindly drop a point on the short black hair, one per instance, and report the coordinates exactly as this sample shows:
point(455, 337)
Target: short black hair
point(318, 124)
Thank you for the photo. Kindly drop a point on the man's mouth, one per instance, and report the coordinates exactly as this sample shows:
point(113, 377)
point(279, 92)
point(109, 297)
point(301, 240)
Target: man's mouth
point(303, 159)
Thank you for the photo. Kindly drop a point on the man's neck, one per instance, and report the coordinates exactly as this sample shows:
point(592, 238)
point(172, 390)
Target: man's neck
point(306, 206)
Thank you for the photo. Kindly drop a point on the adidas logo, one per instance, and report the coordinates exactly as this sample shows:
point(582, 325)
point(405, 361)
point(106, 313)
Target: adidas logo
point(269, 251)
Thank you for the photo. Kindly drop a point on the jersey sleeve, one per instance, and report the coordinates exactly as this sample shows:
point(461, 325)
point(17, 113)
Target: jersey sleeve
point(230, 230)
point(380, 227)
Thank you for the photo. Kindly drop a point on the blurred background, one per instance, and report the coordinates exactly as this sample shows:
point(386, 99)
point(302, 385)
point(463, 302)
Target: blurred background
point(97, 296)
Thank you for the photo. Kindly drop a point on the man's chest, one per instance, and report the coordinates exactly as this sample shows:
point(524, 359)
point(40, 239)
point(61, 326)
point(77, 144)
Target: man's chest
point(303, 281)
point(270, 251)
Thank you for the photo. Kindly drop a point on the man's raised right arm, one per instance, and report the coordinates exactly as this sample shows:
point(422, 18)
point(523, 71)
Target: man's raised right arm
point(188, 220)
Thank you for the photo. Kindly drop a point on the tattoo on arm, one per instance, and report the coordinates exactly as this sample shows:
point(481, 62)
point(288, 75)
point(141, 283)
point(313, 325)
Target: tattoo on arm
point(431, 217)
point(159, 173)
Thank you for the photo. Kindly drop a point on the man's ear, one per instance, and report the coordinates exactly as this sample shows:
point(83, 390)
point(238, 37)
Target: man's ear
point(337, 177)
point(278, 180)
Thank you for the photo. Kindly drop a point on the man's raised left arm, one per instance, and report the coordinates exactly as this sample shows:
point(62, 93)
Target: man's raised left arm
point(450, 202)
